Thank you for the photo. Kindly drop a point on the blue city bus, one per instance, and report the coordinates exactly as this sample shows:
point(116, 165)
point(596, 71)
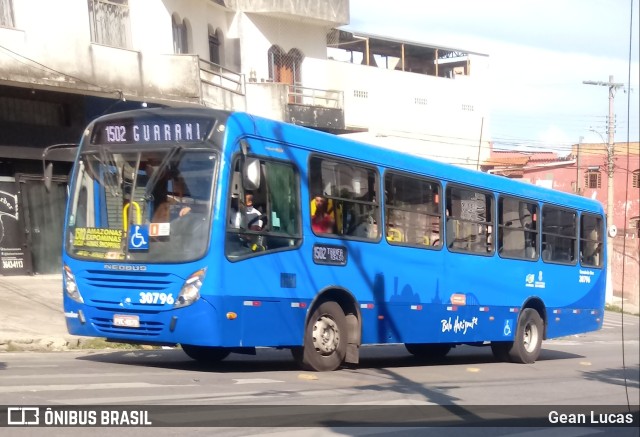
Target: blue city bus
point(222, 232)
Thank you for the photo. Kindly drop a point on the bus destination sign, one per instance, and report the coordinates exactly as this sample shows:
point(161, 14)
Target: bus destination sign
point(149, 131)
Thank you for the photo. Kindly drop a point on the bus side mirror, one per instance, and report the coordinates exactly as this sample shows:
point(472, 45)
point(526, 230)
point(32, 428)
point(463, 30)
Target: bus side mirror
point(48, 174)
point(251, 174)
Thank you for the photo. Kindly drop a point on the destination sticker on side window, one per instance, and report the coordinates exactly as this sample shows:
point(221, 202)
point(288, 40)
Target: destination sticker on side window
point(329, 254)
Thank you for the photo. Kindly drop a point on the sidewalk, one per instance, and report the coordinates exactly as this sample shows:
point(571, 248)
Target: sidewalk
point(32, 317)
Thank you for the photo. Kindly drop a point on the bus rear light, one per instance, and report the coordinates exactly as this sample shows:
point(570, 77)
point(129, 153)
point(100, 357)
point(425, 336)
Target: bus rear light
point(298, 305)
point(190, 291)
point(513, 310)
point(416, 307)
point(452, 308)
point(594, 312)
point(557, 319)
point(231, 315)
point(491, 318)
point(576, 311)
point(483, 309)
point(557, 311)
point(70, 285)
point(380, 317)
point(367, 306)
point(252, 303)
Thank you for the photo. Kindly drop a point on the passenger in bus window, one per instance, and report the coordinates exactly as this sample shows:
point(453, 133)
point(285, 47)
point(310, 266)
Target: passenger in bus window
point(322, 217)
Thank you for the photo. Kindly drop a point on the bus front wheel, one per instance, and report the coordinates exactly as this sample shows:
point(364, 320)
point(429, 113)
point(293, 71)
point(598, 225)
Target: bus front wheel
point(205, 354)
point(325, 339)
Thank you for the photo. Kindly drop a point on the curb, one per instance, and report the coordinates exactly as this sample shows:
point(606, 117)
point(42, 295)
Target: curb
point(46, 344)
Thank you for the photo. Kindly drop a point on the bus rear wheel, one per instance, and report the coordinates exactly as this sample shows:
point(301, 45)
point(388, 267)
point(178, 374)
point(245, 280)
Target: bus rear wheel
point(325, 339)
point(527, 343)
point(205, 354)
point(428, 351)
point(528, 340)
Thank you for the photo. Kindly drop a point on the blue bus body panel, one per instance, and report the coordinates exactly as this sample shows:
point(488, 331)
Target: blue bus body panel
point(402, 294)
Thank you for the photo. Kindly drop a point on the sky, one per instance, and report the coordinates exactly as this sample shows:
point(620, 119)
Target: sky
point(540, 52)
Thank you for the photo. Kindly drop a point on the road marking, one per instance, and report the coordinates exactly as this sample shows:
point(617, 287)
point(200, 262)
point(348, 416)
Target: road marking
point(71, 387)
point(255, 381)
point(307, 376)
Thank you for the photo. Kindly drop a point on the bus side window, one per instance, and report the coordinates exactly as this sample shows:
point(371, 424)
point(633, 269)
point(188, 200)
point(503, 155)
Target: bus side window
point(517, 234)
point(559, 235)
point(591, 240)
point(412, 211)
point(470, 220)
point(351, 190)
point(275, 212)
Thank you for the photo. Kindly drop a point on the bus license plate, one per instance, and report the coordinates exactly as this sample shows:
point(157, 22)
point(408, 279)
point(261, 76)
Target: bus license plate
point(126, 321)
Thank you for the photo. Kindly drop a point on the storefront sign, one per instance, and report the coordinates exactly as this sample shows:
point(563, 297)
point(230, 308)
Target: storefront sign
point(13, 259)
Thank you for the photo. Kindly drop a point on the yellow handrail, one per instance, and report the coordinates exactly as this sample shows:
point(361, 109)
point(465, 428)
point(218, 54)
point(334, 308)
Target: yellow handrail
point(125, 209)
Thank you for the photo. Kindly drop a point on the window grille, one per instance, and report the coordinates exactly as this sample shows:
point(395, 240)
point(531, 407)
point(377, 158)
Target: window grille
point(636, 179)
point(180, 35)
point(592, 179)
point(109, 22)
point(6, 13)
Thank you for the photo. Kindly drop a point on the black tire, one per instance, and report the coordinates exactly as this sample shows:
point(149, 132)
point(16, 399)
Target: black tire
point(528, 340)
point(432, 351)
point(325, 339)
point(206, 354)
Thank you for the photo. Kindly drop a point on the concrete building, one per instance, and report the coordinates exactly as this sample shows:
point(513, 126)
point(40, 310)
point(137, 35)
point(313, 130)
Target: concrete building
point(65, 62)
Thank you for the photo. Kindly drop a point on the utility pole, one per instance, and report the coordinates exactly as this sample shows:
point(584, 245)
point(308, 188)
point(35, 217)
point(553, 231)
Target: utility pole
point(613, 87)
point(578, 190)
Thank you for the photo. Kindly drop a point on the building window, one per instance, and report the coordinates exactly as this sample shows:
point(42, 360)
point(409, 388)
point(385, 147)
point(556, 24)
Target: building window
point(180, 35)
point(109, 22)
point(285, 67)
point(592, 179)
point(636, 179)
point(6, 13)
point(215, 46)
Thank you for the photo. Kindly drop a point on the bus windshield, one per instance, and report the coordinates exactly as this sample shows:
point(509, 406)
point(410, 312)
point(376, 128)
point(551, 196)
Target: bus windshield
point(141, 206)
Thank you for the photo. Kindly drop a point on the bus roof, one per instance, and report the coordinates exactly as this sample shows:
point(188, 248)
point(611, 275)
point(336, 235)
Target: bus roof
point(312, 140)
point(241, 123)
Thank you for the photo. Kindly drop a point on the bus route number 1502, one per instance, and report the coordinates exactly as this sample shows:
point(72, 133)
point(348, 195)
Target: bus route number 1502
point(329, 254)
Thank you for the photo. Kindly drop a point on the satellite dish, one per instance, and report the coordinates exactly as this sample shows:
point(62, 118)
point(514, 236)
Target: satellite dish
point(613, 231)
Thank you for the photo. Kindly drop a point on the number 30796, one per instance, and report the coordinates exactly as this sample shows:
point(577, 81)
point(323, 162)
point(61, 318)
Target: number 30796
point(156, 298)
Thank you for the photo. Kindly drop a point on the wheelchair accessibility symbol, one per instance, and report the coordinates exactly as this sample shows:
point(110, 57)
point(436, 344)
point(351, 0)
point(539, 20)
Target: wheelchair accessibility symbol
point(139, 238)
point(507, 328)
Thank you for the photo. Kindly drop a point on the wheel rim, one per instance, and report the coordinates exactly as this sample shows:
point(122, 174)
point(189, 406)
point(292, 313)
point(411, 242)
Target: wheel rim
point(530, 339)
point(326, 335)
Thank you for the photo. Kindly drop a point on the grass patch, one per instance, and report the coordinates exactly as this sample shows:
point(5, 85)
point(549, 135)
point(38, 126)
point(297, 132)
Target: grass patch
point(101, 343)
point(617, 309)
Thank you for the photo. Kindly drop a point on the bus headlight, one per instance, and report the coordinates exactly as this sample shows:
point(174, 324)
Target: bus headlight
point(190, 291)
point(70, 286)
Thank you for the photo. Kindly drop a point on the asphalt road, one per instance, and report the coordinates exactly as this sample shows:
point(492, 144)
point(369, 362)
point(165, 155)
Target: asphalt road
point(594, 369)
